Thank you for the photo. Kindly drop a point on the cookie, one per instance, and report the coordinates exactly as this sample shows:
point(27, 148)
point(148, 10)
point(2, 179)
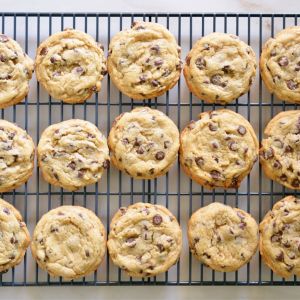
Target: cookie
point(16, 69)
point(72, 154)
point(16, 156)
point(222, 237)
point(219, 149)
point(70, 65)
point(69, 241)
point(280, 149)
point(144, 61)
point(144, 143)
point(280, 64)
point(144, 239)
point(220, 68)
point(15, 237)
point(280, 237)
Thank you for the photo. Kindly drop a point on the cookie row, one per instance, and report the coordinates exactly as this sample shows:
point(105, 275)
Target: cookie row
point(144, 62)
point(218, 150)
point(146, 240)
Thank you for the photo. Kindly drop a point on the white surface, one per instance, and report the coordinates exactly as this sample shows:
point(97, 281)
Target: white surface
point(151, 292)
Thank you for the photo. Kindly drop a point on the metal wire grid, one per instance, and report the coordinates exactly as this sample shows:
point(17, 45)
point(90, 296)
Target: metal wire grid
point(256, 195)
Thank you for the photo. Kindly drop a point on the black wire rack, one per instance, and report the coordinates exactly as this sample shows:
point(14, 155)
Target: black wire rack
point(176, 191)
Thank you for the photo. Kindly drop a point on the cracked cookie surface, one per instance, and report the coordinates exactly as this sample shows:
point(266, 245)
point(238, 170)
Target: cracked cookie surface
point(219, 149)
point(280, 237)
point(70, 65)
point(144, 239)
point(144, 61)
point(144, 143)
point(220, 68)
point(16, 69)
point(280, 149)
point(69, 241)
point(73, 154)
point(222, 237)
point(15, 237)
point(16, 156)
point(280, 64)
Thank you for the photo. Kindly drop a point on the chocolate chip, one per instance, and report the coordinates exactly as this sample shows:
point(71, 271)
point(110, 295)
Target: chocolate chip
point(288, 149)
point(199, 161)
point(217, 80)
point(125, 141)
point(273, 52)
point(160, 247)
point(207, 255)
point(13, 240)
point(212, 127)
point(158, 62)
point(3, 38)
point(53, 229)
point(200, 63)
point(103, 72)
point(166, 73)
point(140, 150)
point(157, 219)
point(72, 165)
point(12, 256)
point(6, 210)
point(87, 253)
point(81, 173)
point(215, 174)
point(44, 51)
point(283, 61)
point(241, 130)
point(226, 69)
point(155, 48)
point(277, 164)
point(267, 154)
point(291, 255)
point(196, 240)
point(123, 210)
point(56, 73)
point(155, 83)
point(160, 155)
point(283, 177)
point(206, 47)
point(79, 70)
point(143, 78)
point(286, 244)
point(94, 89)
point(289, 268)
point(233, 146)
point(295, 183)
point(131, 242)
point(52, 59)
point(167, 144)
point(291, 84)
point(280, 256)
point(215, 145)
point(275, 238)
point(2, 58)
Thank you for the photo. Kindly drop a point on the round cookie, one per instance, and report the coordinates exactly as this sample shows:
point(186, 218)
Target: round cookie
point(222, 237)
point(144, 61)
point(72, 154)
point(16, 156)
point(144, 239)
point(219, 149)
point(280, 149)
point(69, 241)
point(16, 69)
point(280, 64)
point(70, 65)
point(15, 237)
point(220, 68)
point(144, 143)
point(280, 237)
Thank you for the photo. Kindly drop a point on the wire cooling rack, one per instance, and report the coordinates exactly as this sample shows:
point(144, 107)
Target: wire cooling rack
point(175, 190)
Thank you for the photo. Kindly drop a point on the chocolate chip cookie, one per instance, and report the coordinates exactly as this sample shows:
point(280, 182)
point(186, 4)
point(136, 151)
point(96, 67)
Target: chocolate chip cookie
point(73, 154)
point(70, 65)
point(144, 239)
point(219, 149)
point(144, 61)
point(15, 237)
point(144, 143)
point(280, 237)
point(16, 69)
point(222, 237)
point(280, 64)
point(280, 149)
point(16, 156)
point(69, 241)
point(220, 68)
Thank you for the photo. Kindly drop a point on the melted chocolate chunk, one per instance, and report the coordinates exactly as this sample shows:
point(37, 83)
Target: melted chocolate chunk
point(200, 63)
point(199, 161)
point(160, 155)
point(157, 220)
point(283, 61)
point(242, 130)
